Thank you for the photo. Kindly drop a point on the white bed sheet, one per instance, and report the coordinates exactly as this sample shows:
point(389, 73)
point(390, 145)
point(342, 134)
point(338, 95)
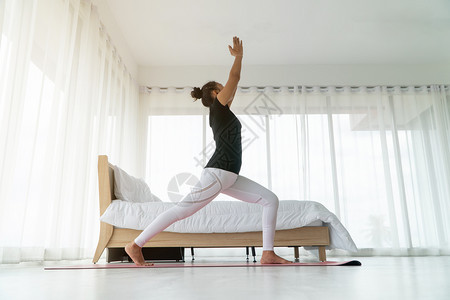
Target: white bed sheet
point(231, 216)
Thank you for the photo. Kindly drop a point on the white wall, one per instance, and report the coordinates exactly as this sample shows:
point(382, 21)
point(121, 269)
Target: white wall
point(272, 75)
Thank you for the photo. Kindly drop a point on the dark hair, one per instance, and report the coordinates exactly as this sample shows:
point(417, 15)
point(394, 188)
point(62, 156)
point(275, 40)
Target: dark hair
point(205, 93)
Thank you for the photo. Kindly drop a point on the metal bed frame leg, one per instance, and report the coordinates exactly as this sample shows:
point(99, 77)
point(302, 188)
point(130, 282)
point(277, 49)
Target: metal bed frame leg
point(182, 254)
point(254, 254)
point(192, 253)
point(247, 252)
point(296, 254)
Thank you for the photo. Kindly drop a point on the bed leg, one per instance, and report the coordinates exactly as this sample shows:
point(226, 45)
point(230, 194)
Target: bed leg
point(254, 254)
point(247, 252)
point(182, 253)
point(106, 231)
point(296, 254)
point(322, 253)
point(192, 253)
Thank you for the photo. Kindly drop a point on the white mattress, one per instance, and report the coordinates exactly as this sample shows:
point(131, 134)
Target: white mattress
point(231, 216)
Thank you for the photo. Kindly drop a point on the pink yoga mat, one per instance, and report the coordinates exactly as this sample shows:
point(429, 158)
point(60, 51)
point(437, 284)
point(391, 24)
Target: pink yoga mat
point(203, 265)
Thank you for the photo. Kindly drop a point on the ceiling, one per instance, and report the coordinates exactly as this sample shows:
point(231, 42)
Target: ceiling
point(284, 32)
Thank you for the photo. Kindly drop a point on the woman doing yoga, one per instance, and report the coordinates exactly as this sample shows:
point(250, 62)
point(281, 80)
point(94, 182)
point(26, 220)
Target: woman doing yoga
point(221, 173)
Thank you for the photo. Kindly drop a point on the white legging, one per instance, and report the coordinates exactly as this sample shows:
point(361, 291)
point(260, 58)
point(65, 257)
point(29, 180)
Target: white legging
point(214, 181)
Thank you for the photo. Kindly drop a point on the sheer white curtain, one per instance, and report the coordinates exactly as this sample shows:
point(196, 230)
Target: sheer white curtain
point(65, 97)
point(378, 157)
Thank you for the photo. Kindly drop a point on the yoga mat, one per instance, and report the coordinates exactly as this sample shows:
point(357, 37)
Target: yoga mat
point(202, 265)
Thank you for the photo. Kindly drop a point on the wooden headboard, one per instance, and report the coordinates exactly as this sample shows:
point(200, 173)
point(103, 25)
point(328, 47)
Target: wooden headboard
point(105, 182)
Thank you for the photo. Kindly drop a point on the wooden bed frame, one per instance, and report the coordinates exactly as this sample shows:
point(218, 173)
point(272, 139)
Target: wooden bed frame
point(114, 237)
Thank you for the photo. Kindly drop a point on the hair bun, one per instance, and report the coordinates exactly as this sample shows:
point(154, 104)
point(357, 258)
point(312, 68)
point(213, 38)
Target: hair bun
point(197, 93)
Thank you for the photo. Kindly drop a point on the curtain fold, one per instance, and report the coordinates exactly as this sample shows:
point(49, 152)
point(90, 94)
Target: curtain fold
point(378, 157)
point(66, 97)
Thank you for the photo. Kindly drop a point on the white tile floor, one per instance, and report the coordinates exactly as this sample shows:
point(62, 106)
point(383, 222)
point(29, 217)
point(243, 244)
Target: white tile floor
point(378, 278)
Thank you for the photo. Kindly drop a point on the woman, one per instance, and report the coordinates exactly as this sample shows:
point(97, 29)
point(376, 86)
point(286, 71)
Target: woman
point(221, 173)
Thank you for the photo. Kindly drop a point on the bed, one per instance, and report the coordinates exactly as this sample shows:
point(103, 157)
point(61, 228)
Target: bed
point(114, 234)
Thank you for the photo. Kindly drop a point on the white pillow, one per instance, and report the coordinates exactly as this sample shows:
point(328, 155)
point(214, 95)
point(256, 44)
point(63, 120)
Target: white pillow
point(132, 189)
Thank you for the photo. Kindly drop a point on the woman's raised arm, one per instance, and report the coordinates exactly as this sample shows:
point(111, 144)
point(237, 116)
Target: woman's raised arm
point(227, 93)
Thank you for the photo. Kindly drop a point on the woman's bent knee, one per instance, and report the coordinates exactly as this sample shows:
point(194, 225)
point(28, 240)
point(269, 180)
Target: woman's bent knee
point(271, 199)
point(275, 200)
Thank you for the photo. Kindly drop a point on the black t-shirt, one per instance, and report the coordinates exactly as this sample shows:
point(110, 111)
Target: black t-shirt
point(227, 135)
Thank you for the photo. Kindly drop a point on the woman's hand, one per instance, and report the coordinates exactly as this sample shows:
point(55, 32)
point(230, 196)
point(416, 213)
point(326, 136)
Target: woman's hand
point(237, 49)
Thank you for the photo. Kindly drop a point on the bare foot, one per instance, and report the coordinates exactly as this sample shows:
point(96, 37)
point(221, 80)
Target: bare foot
point(269, 257)
point(135, 252)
